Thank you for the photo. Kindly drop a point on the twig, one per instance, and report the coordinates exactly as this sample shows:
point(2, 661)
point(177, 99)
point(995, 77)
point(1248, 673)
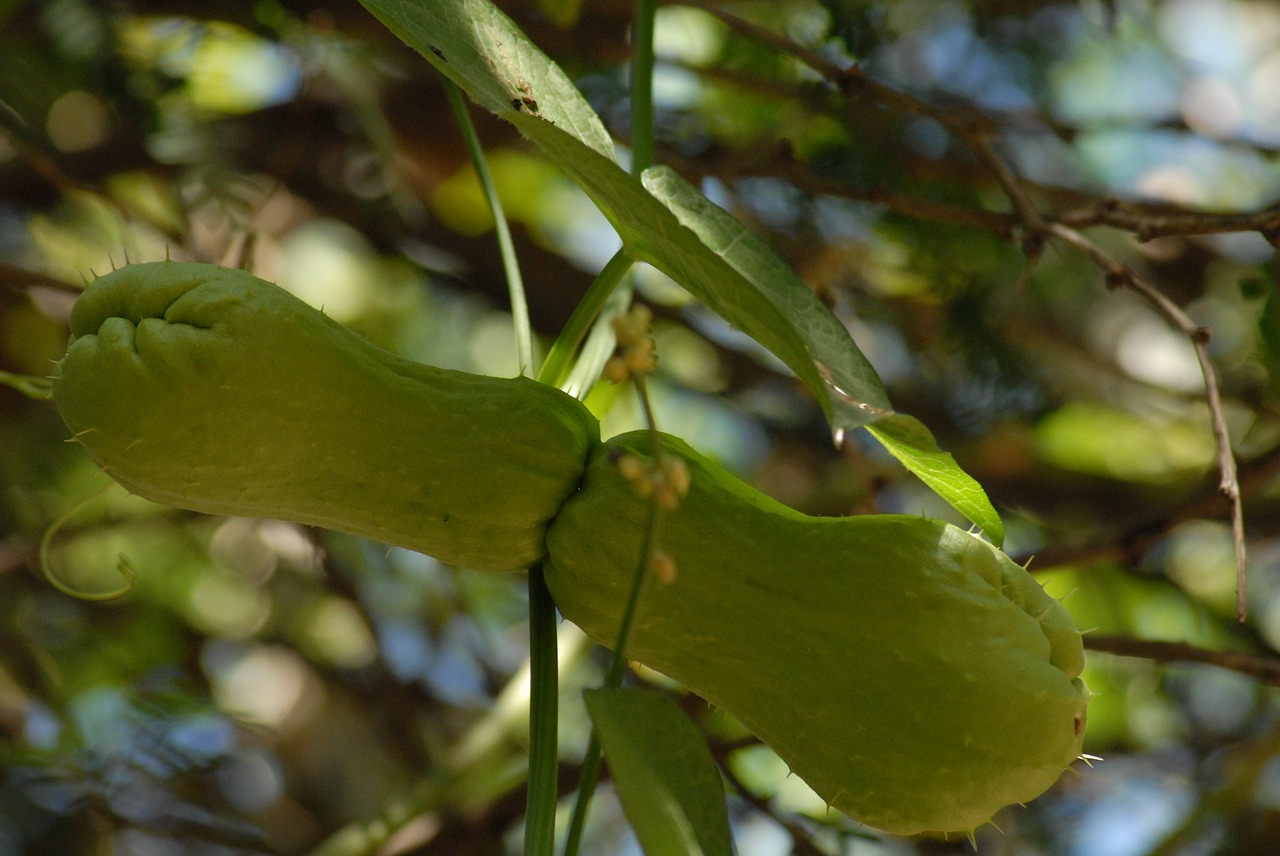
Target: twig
point(12, 132)
point(1120, 274)
point(1128, 544)
point(1261, 668)
point(1168, 221)
point(771, 163)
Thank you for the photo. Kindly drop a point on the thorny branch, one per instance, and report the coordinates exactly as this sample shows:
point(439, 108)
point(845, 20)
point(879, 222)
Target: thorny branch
point(977, 132)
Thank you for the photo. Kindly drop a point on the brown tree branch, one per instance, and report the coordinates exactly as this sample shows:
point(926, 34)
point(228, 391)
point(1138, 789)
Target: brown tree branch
point(1167, 221)
point(976, 129)
point(1121, 275)
point(1262, 668)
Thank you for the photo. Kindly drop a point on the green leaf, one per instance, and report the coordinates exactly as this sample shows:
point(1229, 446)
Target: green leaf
point(663, 771)
point(486, 54)
point(852, 393)
point(911, 443)
point(667, 223)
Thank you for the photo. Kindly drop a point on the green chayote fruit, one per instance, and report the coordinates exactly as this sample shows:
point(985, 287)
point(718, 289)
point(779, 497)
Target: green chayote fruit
point(211, 390)
point(914, 676)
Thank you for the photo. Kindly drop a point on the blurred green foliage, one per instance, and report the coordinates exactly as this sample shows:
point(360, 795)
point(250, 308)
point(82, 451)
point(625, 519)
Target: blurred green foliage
point(266, 688)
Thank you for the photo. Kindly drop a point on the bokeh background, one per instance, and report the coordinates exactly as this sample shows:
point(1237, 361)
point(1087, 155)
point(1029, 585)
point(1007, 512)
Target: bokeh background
point(266, 688)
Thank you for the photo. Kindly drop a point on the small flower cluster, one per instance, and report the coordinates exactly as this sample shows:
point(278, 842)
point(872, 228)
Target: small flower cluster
point(667, 481)
point(636, 355)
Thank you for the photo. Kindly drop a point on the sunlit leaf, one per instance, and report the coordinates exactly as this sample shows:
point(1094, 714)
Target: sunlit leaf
point(852, 393)
point(911, 443)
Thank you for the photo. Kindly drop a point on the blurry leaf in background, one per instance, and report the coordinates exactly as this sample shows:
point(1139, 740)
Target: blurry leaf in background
point(225, 68)
point(1108, 442)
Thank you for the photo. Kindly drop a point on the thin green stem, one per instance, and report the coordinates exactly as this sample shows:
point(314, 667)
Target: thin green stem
point(515, 283)
point(642, 151)
point(556, 366)
point(540, 805)
point(586, 787)
point(641, 158)
point(642, 145)
point(618, 665)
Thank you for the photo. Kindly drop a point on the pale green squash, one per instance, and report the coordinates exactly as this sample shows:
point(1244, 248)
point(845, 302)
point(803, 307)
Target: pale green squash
point(209, 389)
point(909, 672)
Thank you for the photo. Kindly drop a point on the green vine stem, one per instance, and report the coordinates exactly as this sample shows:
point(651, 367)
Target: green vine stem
point(515, 282)
point(556, 368)
point(540, 804)
point(642, 150)
point(617, 668)
point(642, 141)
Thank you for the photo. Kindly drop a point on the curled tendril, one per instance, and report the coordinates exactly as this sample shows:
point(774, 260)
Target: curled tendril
point(123, 564)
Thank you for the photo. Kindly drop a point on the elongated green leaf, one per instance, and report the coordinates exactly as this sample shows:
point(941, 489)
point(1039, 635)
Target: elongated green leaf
point(910, 442)
point(663, 771)
point(667, 223)
point(851, 385)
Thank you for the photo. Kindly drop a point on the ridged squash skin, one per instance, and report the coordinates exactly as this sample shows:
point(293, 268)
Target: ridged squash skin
point(211, 390)
point(914, 676)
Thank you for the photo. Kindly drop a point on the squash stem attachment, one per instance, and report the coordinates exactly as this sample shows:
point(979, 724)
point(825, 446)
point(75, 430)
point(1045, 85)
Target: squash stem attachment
point(126, 568)
point(515, 282)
